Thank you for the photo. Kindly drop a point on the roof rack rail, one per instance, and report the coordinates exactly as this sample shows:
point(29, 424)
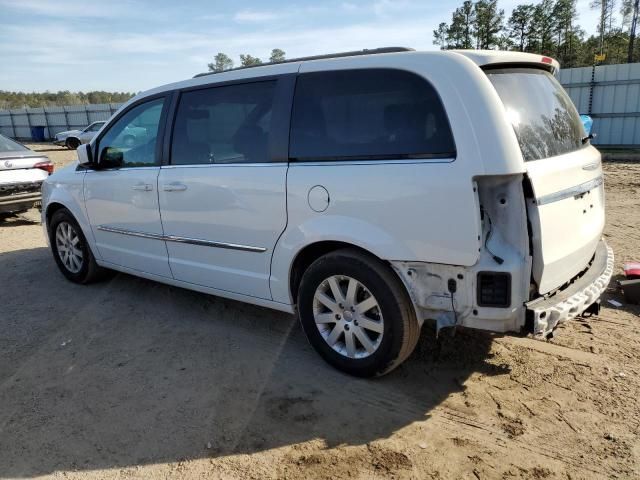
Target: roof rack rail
point(355, 53)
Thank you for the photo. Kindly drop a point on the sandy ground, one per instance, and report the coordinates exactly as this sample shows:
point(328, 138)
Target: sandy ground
point(133, 379)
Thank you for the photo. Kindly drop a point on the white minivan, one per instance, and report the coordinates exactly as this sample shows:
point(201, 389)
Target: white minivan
point(367, 191)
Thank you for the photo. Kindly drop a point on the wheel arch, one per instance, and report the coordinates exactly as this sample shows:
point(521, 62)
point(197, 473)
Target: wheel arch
point(52, 208)
point(311, 252)
point(70, 138)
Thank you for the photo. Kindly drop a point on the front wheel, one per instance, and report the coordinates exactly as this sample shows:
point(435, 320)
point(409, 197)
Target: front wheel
point(356, 313)
point(70, 249)
point(72, 143)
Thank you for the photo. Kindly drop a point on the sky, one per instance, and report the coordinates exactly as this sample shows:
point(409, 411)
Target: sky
point(134, 45)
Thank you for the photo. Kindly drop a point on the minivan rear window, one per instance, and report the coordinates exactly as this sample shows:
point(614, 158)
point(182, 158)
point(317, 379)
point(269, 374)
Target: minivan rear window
point(368, 114)
point(542, 115)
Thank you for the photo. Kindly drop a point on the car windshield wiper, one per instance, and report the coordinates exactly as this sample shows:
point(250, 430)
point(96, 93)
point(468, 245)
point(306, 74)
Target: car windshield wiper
point(587, 138)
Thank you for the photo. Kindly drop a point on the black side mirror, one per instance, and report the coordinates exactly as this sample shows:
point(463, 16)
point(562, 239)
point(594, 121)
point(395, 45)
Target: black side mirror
point(111, 157)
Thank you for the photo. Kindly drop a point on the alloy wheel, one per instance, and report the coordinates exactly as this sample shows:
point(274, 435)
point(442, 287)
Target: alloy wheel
point(348, 316)
point(68, 246)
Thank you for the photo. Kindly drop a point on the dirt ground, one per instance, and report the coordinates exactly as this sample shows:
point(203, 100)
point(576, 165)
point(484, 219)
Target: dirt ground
point(134, 379)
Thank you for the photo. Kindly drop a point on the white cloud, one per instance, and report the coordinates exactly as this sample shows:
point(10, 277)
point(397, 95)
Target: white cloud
point(79, 55)
point(255, 16)
point(70, 8)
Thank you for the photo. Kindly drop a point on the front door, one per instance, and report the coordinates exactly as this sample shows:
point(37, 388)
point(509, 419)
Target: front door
point(222, 198)
point(121, 196)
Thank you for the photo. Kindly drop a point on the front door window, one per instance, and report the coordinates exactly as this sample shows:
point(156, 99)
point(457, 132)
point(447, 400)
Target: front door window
point(131, 141)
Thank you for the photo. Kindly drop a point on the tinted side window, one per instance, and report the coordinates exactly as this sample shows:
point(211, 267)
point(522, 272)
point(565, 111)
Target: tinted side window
point(131, 140)
point(228, 124)
point(376, 113)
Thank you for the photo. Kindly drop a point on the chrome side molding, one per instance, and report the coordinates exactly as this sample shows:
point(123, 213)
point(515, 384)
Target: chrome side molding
point(174, 238)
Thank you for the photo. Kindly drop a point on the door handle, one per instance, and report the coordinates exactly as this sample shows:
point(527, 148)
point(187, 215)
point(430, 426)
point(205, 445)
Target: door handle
point(144, 187)
point(174, 187)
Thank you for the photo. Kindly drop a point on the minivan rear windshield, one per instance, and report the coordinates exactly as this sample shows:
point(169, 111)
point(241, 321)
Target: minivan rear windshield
point(541, 113)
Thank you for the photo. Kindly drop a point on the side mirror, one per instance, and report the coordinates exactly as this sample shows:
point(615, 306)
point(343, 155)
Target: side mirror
point(111, 157)
point(85, 156)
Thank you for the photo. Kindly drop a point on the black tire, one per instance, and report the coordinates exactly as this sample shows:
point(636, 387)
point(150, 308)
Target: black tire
point(89, 270)
point(72, 143)
point(400, 331)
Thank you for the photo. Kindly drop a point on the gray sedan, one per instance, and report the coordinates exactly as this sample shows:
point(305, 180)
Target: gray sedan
point(21, 174)
point(74, 138)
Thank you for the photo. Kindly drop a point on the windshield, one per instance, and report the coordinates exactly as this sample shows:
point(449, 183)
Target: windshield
point(542, 114)
point(8, 145)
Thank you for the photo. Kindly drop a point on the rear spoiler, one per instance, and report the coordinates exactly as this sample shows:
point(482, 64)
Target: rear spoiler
point(488, 59)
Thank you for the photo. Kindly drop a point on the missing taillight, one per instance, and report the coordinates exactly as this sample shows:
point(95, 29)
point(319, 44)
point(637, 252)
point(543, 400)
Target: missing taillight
point(46, 166)
point(494, 289)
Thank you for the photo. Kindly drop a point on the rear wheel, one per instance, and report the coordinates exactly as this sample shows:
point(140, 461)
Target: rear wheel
point(72, 143)
point(70, 249)
point(356, 313)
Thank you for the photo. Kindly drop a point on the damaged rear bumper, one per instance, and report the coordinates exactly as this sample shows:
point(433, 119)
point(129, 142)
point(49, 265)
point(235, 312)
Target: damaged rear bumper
point(546, 313)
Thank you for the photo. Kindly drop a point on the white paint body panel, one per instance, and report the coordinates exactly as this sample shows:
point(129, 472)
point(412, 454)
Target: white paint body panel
point(237, 204)
point(566, 231)
point(112, 201)
point(432, 203)
point(25, 175)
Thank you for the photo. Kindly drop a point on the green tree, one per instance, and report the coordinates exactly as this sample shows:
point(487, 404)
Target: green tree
point(61, 98)
point(488, 23)
point(629, 11)
point(543, 27)
point(249, 61)
point(463, 19)
point(441, 36)
point(520, 25)
point(277, 55)
point(221, 62)
point(565, 14)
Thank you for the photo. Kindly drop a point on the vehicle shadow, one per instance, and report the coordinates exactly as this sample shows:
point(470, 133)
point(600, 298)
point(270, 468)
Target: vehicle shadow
point(17, 220)
point(615, 292)
point(131, 372)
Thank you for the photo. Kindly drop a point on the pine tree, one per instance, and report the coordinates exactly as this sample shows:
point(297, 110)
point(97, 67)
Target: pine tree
point(221, 62)
point(520, 25)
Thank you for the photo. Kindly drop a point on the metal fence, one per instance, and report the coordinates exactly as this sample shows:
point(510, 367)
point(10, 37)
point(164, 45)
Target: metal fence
point(17, 123)
point(611, 95)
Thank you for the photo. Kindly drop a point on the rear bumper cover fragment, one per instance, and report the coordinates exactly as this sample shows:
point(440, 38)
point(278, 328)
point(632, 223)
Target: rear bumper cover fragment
point(547, 313)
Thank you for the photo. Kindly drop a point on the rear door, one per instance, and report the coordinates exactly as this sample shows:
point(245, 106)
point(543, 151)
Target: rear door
point(223, 196)
point(566, 210)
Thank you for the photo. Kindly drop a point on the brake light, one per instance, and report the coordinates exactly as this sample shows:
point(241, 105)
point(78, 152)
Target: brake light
point(46, 166)
point(548, 60)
